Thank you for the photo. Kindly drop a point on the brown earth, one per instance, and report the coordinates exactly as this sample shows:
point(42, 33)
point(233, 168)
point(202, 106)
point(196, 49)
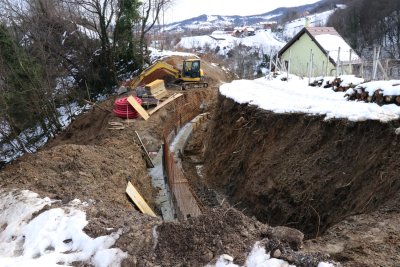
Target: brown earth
point(93, 163)
point(332, 179)
point(335, 180)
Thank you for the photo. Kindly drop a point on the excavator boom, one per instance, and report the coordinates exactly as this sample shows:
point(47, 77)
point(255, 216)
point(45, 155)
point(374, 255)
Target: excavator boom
point(158, 66)
point(190, 77)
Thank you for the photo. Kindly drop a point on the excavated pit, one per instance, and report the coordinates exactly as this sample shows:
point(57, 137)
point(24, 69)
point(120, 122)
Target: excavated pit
point(298, 170)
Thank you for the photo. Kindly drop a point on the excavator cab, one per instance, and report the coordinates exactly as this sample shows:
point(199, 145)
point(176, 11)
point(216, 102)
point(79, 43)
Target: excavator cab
point(191, 69)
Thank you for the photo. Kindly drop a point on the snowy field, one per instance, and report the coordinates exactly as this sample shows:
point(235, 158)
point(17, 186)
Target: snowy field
point(296, 96)
point(265, 40)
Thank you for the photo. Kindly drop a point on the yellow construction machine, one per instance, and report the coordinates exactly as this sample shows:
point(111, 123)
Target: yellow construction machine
point(191, 75)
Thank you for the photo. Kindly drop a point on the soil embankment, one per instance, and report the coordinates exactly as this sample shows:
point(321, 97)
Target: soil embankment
point(298, 170)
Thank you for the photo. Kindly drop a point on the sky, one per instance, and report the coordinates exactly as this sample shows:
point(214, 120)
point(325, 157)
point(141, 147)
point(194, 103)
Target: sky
point(185, 9)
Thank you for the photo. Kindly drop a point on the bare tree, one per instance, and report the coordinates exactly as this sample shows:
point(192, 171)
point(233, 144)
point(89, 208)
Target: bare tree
point(151, 10)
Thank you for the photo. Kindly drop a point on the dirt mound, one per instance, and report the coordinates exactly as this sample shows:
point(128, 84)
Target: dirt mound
point(362, 240)
point(76, 171)
point(93, 163)
point(198, 241)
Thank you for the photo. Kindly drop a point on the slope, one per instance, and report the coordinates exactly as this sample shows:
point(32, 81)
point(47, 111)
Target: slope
point(334, 179)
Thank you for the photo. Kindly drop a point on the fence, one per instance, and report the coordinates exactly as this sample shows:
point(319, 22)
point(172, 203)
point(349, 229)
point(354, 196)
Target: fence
point(183, 198)
point(387, 69)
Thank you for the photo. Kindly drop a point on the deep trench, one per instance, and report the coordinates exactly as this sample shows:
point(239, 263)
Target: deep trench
point(298, 170)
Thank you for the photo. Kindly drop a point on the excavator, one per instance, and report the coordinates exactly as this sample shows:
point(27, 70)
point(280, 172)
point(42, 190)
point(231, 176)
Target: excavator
point(191, 75)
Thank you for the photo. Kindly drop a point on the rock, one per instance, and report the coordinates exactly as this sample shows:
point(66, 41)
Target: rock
point(293, 237)
point(244, 233)
point(277, 254)
point(121, 90)
point(207, 256)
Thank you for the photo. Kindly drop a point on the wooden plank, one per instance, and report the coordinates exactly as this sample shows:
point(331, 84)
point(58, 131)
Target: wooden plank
point(160, 94)
point(145, 150)
point(186, 203)
point(155, 86)
point(138, 200)
point(169, 99)
point(138, 108)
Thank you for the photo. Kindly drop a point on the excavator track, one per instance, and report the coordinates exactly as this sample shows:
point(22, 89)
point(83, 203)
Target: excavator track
point(186, 86)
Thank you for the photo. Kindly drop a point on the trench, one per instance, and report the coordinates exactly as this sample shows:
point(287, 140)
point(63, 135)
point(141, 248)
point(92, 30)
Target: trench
point(296, 170)
point(174, 198)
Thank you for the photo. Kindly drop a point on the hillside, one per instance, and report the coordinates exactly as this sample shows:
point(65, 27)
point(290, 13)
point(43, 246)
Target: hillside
point(222, 42)
point(221, 22)
point(225, 161)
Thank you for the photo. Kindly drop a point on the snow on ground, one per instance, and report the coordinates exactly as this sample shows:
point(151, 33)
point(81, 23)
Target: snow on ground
point(263, 39)
point(31, 139)
point(258, 258)
point(315, 20)
point(346, 80)
point(156, 54)
point(89, 33)
point(388, 87)
point(296, 96)
point(53, 237)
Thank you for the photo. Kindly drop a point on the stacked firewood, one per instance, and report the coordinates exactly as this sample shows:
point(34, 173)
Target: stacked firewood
point(360, 90)
point(360, 94)
point(337, 84)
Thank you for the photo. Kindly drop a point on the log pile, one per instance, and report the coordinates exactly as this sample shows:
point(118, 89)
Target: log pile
point(380, 94)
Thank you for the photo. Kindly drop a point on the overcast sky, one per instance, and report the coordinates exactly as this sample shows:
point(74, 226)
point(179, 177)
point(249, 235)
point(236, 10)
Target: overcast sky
point(185, 9)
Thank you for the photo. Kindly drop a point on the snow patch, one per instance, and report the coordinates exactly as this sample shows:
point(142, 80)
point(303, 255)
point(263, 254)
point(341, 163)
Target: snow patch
point(388, 87)
point(54, 237)
point(258, 258)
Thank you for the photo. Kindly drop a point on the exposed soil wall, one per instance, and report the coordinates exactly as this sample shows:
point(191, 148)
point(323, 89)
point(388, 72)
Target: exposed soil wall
point(298, 170)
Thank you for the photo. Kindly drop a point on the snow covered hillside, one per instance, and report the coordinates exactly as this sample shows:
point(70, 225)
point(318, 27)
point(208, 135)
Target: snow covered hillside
point(315, 20)
point(220, 22)
point(206, 22)
point(265, 40)
point(296, 97)
point(293, 27)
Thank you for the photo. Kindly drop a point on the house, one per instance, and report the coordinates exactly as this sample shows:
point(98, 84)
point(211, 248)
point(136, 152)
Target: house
point(268, 24)
point(243, 31)
point(330, 53)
